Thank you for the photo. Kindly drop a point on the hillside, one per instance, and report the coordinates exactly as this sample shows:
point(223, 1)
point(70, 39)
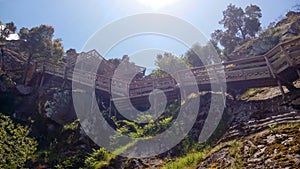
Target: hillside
point(259, 128)
point(284, 30)
point(264, 136)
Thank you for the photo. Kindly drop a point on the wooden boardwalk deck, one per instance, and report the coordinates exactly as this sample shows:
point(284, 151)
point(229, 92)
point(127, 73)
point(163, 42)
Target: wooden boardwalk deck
point(280, 66)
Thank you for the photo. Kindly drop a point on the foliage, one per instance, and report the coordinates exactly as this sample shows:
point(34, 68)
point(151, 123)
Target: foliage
point(39, 44)
point(16, 146)
point(127, 68)
point(115, 62)
point(72, 161)
point(72, 126)
point(192, 158)
point(6, 30)
point(251, 92)
point(98, 159)
point(239, 25)
point(203, 55)
point(167, 64)
point(189, 161)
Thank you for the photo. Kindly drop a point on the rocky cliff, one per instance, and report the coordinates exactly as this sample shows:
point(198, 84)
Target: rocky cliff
point(286, 29)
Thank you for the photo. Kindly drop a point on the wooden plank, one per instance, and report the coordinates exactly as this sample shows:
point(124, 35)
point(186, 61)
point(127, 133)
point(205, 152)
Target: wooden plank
point(282, 68)
point(249, 65)
point(295, 56)
point(279, 63)
point(244, 60)
point(271, 53)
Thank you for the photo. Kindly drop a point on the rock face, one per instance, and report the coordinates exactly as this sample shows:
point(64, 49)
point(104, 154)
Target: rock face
point(58, 106)
point(5, 83)
point(24, 90)
point(274, 148)
point(265, 135)
point(286, 29)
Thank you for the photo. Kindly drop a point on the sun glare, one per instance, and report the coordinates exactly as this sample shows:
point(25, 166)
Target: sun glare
point(157, 4)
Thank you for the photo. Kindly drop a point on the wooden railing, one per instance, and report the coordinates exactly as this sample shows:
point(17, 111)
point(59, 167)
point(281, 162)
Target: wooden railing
point(269, 65)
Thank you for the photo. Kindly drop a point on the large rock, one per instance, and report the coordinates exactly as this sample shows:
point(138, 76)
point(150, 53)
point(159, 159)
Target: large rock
point(284, 30)
point(58, 106)
point(24, 90)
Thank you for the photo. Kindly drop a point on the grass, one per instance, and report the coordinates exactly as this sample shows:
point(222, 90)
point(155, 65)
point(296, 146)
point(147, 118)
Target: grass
point(72, 125)
point(120, 150)
point(189, 161)
point(99, 158)
point(250, 93)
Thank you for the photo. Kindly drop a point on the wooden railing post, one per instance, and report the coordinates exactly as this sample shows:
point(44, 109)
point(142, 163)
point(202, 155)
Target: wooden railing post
point(65, 76)
point(288, 59)
point(274, 75)
point(180, 86)
point(110, 98)
point(2, 58)
point(42, 75)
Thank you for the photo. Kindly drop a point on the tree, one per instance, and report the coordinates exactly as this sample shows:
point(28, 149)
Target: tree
point(207, 53)
point(252, 23)
point(233, 20)
point(240, 25)
point(6, 30)
point(57, 49)
point(115, 62)
point(168, 64)
point(39, 45)
point(15, 145)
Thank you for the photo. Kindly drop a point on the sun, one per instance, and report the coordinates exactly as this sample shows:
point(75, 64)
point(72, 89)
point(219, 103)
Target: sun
point(157, 4)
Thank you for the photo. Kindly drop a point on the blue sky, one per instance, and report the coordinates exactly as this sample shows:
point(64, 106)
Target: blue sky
point(77, 20)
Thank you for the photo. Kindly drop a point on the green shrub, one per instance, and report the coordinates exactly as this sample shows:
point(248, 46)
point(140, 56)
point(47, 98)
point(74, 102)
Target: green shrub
point(72, 126)
point(189, 161)
point(72, 161)
point(15, 145)
point(98, 159)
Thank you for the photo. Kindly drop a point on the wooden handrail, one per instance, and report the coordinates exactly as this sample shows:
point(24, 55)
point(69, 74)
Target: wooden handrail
point(236, 69)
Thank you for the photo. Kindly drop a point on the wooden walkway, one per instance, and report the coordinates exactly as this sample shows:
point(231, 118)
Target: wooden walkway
point(280, 66)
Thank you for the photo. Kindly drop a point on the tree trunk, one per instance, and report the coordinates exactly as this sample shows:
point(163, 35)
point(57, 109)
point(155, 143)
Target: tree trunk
point(242, 32)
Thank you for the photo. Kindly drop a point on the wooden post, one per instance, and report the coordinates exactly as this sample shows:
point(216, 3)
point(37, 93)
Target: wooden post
point(270, 67)
point(93, 103)
point(65, 75)
point(110, 99)
point(289, 60)
point(2, 58)
point(43, 75)
point(274, 75)
point(155, 107)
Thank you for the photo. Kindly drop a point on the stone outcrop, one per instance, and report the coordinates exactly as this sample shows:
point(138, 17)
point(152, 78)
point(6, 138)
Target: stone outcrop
point(266, 135)
point(286, 29)
point(58, 106)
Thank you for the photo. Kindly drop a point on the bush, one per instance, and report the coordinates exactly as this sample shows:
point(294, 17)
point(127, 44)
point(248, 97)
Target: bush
point(15, 145)
point(189, 161)
point(98, 159)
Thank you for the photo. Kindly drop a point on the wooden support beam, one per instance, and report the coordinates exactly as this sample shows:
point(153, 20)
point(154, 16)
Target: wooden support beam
point(289, 60)
point(280, 88)
point(270, 67)
point(65, 76)
point(110, 99)
point(2, 57)
point(42, 75)
point(274, 75)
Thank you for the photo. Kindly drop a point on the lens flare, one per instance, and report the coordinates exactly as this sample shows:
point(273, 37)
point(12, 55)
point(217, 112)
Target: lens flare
point(157, 4)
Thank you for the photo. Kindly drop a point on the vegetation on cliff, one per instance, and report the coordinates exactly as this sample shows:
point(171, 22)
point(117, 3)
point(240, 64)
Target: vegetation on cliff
point(53, 137)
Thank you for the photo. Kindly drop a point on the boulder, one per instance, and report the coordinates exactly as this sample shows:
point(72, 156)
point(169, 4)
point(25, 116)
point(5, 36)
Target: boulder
point(24, 90)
